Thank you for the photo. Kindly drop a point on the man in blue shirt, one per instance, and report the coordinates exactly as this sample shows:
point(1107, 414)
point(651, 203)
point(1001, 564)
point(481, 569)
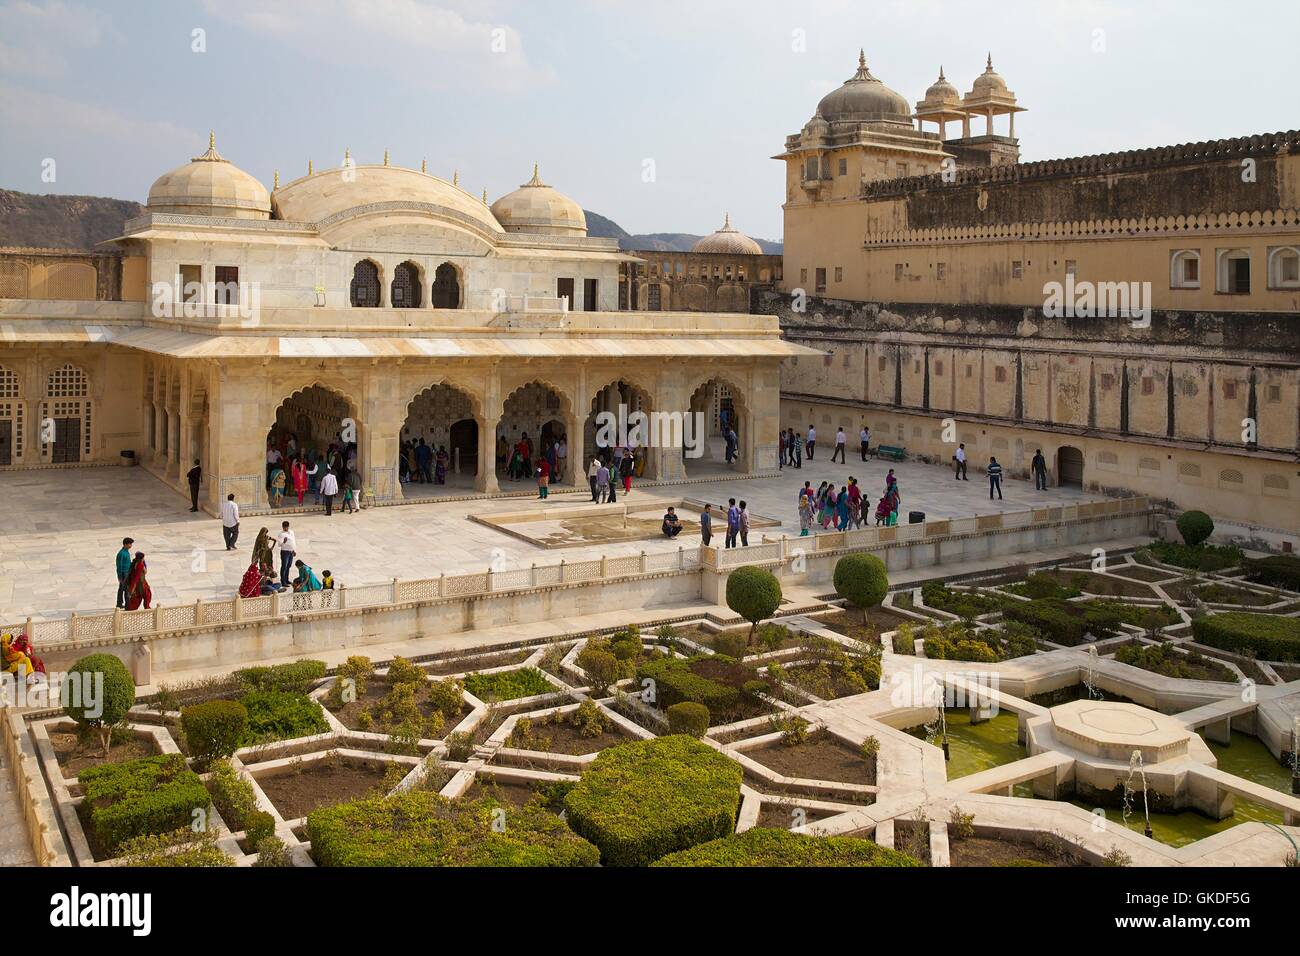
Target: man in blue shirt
point(733, 522)
point(123, 569)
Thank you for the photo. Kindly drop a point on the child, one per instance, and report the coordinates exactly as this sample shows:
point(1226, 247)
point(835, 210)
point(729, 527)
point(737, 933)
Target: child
point(349, 502)
point(327, 580)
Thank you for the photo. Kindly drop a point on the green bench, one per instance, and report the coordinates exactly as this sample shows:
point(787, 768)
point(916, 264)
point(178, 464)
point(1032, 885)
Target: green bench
point(891, 452)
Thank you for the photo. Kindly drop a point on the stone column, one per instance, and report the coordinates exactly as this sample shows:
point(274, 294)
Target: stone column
point(486, 479)
point(672, 396)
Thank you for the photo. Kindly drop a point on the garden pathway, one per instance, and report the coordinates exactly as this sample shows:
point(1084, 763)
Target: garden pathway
point(15, 850)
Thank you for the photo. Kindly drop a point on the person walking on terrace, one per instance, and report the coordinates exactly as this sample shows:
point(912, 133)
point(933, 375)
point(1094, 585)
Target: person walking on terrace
point(733, 523)
point(1039, 467)
point(230, 521)
point(840, 439)
point(329, 487)
point(706, 525)
point(195, 478)
point(123, 564)
point(812, 440)
point(995, 478)
point(959, 473)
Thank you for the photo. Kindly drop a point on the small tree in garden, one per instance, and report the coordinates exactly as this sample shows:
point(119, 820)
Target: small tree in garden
point(754, 594)
point(100, 694)
point(861, 579)
point(1195, 527)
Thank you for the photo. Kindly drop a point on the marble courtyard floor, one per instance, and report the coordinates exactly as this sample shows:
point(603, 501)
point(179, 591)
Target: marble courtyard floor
point(62, 528)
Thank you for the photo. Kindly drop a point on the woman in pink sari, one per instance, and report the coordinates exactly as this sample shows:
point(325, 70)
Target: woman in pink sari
point(137, 584)
point(299, 470)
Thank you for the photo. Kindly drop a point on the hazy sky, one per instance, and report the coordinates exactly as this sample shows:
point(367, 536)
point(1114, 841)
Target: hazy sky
point(116, 94)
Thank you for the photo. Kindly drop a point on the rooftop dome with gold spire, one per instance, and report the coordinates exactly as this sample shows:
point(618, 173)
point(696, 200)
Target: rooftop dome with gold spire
point(210, 185)
point(539, 208)
point(864, 99)
point(728, 240)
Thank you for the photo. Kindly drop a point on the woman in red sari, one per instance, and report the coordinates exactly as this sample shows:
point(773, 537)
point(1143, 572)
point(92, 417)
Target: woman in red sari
point(299, 471)
point(137, 584)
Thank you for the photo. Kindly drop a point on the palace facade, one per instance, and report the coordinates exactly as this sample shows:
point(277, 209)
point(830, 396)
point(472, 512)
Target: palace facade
point(1135, 315)
point(369, 301)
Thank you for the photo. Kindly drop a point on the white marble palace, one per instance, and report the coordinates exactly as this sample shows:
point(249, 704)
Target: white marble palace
point(380, 296)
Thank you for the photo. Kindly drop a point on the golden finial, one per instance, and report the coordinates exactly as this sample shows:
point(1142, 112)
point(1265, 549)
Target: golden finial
point(212, 139)
point(277, 180)
point(424, 165)
point(347, 156)
point(989, 66)
point(309, 167)
point(455, 177)
point(385, 157)
point(535, 171)
point(485, 196)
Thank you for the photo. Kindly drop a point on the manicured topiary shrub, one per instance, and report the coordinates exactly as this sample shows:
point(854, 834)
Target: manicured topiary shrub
point(106, 693)
point(446, 696)
point(280, 715)
point(258, 826)
point(1278, 570)
point(294, 678)
point(214, 728)
point(675, 682)
point(753, 593)
point(509, 685)
point(601, 666)
point(152, 795)
point(232, 794)
point(688, 718)
point(419, 828)
point(1195, 527)
point(1269, 636)
point(861, 579)
point(766, 847)
point(641, 800)
point(178, 849)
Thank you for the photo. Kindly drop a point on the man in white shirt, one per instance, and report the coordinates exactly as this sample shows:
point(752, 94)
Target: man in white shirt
point(329, 487)
point(864, 438)
point(811, 444)
point(960, 459)
point(592, 471)
point(840, 440)
point(288, 548)
point(230, 521)
point(561, 458)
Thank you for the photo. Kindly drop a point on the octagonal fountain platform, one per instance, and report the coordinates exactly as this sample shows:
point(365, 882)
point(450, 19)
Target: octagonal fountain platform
point(1113, 730)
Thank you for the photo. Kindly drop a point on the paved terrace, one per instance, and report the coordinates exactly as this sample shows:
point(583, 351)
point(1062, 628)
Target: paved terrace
point(61, 529)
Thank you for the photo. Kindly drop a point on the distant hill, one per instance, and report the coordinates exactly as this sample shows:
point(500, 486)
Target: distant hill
point(61, 222)
point(600, 227)
point(79, 222)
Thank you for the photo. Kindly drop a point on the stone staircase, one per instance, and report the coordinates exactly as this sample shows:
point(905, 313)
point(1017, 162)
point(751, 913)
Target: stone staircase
point(15, 847)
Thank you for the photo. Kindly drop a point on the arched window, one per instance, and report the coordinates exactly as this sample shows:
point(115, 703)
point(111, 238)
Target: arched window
point(446, 287)
point(1284, 267)
point(1185, 269)
point(1233, 271)
point(405, 293)
point(365, 285)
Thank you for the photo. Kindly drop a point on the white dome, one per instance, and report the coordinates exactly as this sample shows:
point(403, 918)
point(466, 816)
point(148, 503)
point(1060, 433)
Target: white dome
point(537, 207)
point(209, 185)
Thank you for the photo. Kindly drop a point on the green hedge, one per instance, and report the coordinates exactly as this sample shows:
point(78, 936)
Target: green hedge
point(641, 800)
point(675, 683)
point(214, 728)
point(765, 847)
point(281, 715)
point(1195, 527)
point(1279, 571)
point(1206, 557)
point(1270, 636)
point(419, 828)
point(688, 718)
point(1064, 622)
point(965, 604)
point(153, 795)
point(294, 678)
point(509, 685)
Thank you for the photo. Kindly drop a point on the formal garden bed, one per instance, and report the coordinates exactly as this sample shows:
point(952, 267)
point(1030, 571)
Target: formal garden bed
point(765, 847)
point(583, 730)
point(402, 701)
point(509, 684)
point(786, 814)
point(1266, 636)
point(1166, 660)
point(808, 754)
point(307, 785)
point(866, 625)
point(443, 667)
point(78, 751)
point(1001, 850)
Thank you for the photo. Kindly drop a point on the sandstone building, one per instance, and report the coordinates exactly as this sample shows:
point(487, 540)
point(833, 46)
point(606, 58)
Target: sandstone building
point(1135, 315)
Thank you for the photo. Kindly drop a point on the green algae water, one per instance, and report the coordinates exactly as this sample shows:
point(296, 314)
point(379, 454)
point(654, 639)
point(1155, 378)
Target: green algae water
point(1247, 758)
point(979, 746)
